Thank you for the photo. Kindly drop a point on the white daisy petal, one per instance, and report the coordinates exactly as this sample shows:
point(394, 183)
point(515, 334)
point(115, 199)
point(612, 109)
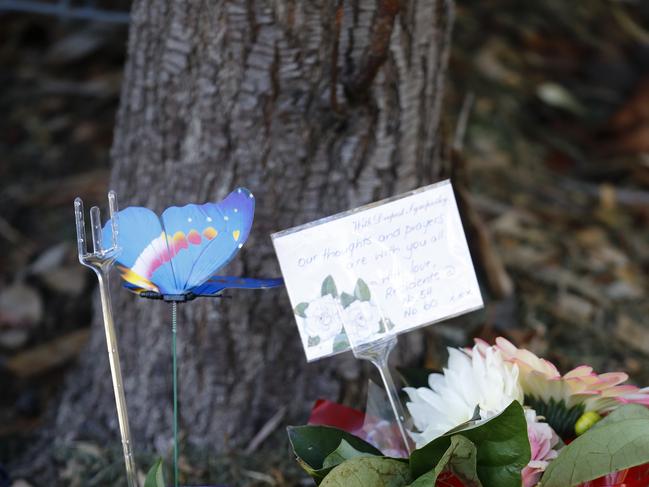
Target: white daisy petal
point(474, 377)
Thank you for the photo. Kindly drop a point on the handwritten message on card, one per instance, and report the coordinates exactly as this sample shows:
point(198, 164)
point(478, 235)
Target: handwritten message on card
point(381, 269)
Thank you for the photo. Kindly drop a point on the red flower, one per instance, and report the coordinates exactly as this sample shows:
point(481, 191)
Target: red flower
point(327, 413)
point(631, 477)
point(447, 479)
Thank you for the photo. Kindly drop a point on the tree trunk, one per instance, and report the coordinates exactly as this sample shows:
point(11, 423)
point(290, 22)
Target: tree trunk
point(316, 107)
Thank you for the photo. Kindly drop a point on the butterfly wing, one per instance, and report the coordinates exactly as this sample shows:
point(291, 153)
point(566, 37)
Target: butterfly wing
point(144, 261)
point(203, 238)
point(216, 284)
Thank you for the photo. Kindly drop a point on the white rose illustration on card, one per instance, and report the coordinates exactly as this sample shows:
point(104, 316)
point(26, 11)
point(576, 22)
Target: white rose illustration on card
point(362, 320)
point(321, 320)
point(323, 317)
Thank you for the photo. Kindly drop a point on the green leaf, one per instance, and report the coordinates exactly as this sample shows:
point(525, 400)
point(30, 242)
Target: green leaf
point(502, 446)
point(460, 458)
point(630, 411)
point(415, 377)
point(368, 472)
point(362, 291)
point(346, 299)
point(619, 441)
point(300, 309)
point(344, 452)
point(155, 478)
point(313, 444)
point(462, 461)
point(329, 287)
point(429, 479)
point(313, 341)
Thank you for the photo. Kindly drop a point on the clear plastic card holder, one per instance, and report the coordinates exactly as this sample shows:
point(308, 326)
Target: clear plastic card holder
point(358, 279)
point(370, 334)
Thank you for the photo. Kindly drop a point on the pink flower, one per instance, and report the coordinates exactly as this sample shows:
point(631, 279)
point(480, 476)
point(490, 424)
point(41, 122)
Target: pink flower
point(597, 392)
point(543, 441)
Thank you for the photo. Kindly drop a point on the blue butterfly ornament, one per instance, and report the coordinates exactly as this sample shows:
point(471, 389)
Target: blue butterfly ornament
point(176, 257)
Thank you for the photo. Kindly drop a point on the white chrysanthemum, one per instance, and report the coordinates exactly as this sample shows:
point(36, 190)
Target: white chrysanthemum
point(322, 318)
point(475, 378)
point(362, 320)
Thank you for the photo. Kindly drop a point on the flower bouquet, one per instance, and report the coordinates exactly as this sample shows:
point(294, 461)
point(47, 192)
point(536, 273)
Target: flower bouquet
point(498, 416)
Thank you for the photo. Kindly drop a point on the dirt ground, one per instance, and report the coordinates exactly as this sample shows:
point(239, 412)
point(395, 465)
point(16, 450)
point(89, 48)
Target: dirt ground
point(548, 107)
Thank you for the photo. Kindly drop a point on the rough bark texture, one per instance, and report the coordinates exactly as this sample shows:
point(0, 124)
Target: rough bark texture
point(310, 106)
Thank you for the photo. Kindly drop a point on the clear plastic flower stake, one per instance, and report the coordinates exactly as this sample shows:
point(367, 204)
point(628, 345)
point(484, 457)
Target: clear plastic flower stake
point(378, 353)
point(101, 260)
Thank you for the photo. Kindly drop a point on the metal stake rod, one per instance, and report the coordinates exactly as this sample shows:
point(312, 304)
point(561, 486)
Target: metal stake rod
point(174, 314)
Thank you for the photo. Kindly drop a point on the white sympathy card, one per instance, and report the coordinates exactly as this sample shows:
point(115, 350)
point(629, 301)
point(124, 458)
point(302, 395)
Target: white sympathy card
point(378, 270)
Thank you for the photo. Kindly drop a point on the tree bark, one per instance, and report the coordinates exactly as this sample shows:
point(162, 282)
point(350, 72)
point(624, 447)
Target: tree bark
point(316, 107)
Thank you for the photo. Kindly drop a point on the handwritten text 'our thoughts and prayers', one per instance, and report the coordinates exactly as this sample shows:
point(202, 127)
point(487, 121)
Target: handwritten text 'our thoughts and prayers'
point(411, 252)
